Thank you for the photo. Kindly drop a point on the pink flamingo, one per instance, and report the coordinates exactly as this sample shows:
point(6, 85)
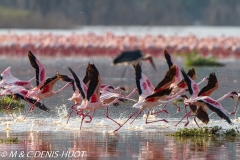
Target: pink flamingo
point(212, 104)
point(91, 101)
point(8, 78)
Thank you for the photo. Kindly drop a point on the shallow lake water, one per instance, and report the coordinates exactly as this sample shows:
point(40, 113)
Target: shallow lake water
point(46, 135)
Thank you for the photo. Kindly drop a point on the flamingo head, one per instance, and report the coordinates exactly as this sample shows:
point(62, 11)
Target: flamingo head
point(231, 94)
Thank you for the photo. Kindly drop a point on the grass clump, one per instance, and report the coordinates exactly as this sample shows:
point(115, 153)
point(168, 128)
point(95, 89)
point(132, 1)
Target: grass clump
point(10, 140)
point(205, 132)
point(194, 59)
point(15, 104)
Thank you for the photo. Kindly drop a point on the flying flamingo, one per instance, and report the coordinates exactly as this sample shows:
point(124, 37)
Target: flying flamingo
point(212, 104)
point(128, 57)
point(21, 92)
point(46, 90)
point(146, 89)
point(91, 101)
point(7, 78)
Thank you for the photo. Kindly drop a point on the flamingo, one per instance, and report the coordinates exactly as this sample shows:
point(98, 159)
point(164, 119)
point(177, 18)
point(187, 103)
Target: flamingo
point(7, 78)
point(203, 101)
point(21, 92)
point(91, 96)
point(146, 90)
point(128, 57)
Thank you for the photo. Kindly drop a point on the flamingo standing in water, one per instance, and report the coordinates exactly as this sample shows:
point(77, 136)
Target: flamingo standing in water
point(135, 56)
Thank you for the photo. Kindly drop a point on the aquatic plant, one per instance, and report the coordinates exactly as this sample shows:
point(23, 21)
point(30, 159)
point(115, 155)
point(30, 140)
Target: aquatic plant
point(195, 59)
point(205, 132)
point(15, 104)
point(10, 140)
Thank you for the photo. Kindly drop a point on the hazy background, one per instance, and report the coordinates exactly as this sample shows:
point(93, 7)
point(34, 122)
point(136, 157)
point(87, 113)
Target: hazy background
point(73, 14)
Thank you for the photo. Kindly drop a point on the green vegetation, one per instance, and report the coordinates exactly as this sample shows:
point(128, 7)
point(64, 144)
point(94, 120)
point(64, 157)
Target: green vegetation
point(194, 59)
point(15, 104)
point(10, 140)
point(205, 132)
point(13, 12)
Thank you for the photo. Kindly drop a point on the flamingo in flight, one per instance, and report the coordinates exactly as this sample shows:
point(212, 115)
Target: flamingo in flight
point(204, 101)
point(7, 78)
point(106, 91)
point(21, 92)
point(146, 90)
point(91, 94)
point(135, 56)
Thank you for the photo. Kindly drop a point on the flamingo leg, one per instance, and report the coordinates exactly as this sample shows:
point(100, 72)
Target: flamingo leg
point(178, 108)
point(110, 117)
point(196, 121)
point(235, 109)
point(186, 115)
point(90, 117)
point(154, 121)
point(73, 107)
point(162, 110)
point(30, 109)
point(128, 119)
point(139, 112)
point(83, 117)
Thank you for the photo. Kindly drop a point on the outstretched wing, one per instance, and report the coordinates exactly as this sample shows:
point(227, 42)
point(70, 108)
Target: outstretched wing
point(167, 80)
point(210, 87)
point(215, 107)
point(40, 70)
point(164, 92)
point(144, 85)
point(49, 83)
point(192, 86)
point(79, 83)
point(93, 92)
point(168, 59)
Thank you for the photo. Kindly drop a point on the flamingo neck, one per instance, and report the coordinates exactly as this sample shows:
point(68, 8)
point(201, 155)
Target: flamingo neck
point(223, 97)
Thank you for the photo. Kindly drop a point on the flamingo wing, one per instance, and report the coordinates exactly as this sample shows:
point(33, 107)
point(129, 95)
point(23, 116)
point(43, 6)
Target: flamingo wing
point(144, 85)
point(168, 59)
point(40, 69)
point(215, 107)
point(86, 78)
point(167, 80)
point(210, 87)
point(192, 86)
point(49, 83)
point(93, 92)
point(79, 83)
point(33, 101)
point(164, 92)
point(65, 78)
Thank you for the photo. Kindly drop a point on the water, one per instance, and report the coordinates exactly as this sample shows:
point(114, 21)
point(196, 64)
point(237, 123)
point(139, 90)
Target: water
point(42, 132)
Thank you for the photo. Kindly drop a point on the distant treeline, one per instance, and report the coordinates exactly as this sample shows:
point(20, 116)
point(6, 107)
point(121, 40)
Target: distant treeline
point(74, 13)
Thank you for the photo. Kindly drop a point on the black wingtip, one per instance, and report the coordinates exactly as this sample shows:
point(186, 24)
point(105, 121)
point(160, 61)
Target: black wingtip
point(168, 58)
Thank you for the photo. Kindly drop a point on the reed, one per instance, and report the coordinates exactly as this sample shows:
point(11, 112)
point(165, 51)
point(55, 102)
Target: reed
point(205, 132)
point(15, 104)
point(195, 59)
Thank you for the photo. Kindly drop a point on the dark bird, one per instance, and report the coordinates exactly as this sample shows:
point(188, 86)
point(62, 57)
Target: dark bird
point(129, 57)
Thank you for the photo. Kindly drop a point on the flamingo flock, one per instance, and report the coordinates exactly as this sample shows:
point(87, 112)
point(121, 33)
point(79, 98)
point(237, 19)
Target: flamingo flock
point(90, 93)
point(109, 44)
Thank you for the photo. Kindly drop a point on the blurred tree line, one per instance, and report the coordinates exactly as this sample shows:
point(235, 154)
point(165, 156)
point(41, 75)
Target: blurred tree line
point(74, 13)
